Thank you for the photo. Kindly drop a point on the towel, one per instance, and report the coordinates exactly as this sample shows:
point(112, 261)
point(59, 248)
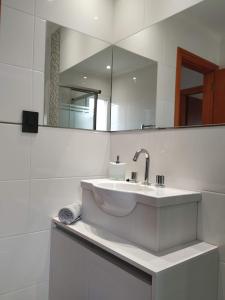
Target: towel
point(69, 214)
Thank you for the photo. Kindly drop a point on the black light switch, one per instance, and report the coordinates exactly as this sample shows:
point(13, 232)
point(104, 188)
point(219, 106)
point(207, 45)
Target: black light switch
point(30, 121)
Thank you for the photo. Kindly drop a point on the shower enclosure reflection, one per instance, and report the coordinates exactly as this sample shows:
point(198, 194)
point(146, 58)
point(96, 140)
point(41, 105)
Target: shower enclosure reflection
point(90, 84)
point(80, 108)
point(77, 80)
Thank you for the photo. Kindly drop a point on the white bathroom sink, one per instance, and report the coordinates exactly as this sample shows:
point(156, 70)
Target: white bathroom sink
point(121, 186)
point(119, 198)
point(154, 217)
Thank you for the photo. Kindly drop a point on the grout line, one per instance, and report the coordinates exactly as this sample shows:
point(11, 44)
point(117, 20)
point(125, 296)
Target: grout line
point(25, 288)
point(32, 79)
point(31, 69)
point(35, 8)
point(53, 178)
point(24, 234)
point(63, 128)
point(18, 9)
point(14, 180)
point(72, 177)
point(34, 38)
point(29, 181)
point(16, 66)
point(9, 123)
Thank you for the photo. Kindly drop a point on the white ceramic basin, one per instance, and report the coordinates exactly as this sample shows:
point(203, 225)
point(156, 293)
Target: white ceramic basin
point(153, 217)
point(119, 198)
point(116, 198)
point(122, 186)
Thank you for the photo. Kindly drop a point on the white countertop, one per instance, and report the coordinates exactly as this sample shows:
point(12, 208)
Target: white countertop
point(142, 259)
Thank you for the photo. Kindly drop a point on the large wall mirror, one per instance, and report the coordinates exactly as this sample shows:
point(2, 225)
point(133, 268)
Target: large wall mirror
point(171, 74)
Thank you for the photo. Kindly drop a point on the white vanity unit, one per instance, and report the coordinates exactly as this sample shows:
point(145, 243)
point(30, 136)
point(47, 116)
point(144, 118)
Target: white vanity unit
point(118, 252)
point(152, 217)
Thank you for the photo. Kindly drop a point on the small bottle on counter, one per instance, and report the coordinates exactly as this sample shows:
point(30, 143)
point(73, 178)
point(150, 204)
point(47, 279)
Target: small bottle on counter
point(117, 170)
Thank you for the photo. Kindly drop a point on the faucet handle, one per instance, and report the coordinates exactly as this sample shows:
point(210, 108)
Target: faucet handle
point(134, 176)
point(160, 180)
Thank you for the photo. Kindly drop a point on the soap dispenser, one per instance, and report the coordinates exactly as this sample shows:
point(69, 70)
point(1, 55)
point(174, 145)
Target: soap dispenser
point(117, 170)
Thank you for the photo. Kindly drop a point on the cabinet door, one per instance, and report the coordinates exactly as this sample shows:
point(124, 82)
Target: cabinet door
point(79, 273)
point(67, 268)
point(108, 281)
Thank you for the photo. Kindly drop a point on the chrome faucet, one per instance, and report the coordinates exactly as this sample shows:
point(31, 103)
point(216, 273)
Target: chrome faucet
point(147, 163)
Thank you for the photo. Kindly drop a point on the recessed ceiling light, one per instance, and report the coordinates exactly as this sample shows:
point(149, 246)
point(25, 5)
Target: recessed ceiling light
point(134, 78)
point(108, 67)
point(84, 77)
point(96, 18)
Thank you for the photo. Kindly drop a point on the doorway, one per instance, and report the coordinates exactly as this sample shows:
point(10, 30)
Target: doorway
point(194, 95)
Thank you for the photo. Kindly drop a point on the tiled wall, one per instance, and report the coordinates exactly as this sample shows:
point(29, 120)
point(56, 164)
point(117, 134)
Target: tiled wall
point(143, 13)
point(190, 159)
point(159, 42)
point(38, 173)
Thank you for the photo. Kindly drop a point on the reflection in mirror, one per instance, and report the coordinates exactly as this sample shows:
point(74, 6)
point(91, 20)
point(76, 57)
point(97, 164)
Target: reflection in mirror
point(171, 74)
point(77, 80)
point(133, 91)
point(190, 50)
point(203, 101)
point(195, 75)
point(191, 95)
point(80, 91)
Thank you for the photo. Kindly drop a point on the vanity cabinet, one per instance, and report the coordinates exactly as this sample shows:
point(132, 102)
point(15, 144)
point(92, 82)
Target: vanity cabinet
point(81, 271)
point(89, 263)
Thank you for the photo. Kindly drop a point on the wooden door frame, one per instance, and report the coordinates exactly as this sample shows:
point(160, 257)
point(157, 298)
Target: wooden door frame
point(193, 90)
point(184, 94)
point(203, 66)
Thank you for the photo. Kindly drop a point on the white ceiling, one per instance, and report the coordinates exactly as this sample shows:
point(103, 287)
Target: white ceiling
point(123, 62)
point(208, 13)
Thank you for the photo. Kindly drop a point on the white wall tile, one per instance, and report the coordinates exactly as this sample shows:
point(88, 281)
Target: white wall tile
point(14, 207)
point(48, 196)
point(165, 96)
point(157, 10)
point(16, 38)
point(159, 42)
point(126, 144)
point(126, 23)
point(24, 5)
point(15, 153)
point(221, 292)
point(38, 94)
point(143, 14)
point(76, 47)
point(146, 43)
point(164, 113)
point(189, 158)
point(24, 261)
point(211, 220)
point(39, 44)
point(165, 83)
point(35, 292)
point(15, 92)
point(79, 15)
point(69, 153)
